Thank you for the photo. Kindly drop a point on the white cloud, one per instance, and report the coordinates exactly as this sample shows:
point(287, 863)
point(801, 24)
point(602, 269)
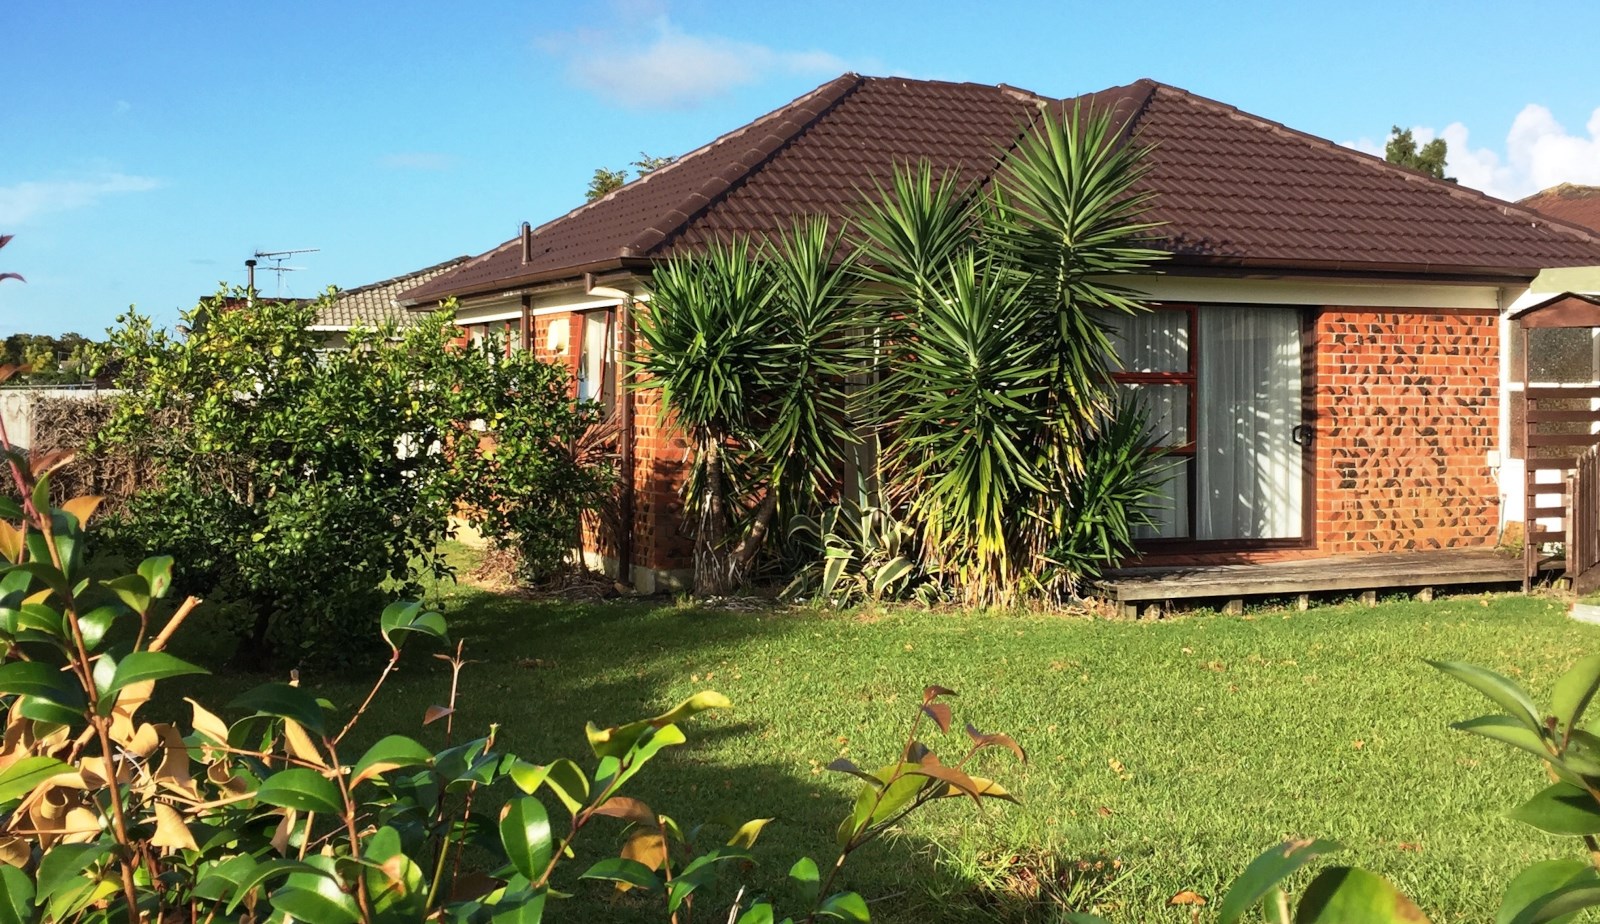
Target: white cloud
point(1539, 152)
point(659, 66)
point(417, 160)
point(31, 198)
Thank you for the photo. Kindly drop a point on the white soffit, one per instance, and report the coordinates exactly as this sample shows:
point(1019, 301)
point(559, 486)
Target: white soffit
point(1313, 292)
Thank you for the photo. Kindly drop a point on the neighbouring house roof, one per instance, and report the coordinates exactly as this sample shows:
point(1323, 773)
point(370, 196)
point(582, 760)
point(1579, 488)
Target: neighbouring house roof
point(376, 303)
point(1233, 189)
point(1569, 202)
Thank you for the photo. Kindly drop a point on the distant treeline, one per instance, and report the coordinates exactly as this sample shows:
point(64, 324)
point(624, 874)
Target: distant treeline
point(51, 360)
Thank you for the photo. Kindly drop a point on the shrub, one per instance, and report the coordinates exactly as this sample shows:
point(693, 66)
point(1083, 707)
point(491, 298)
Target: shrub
point(268, 816)
point(306, 484)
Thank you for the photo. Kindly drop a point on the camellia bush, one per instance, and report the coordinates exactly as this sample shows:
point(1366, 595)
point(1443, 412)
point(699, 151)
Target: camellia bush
point(302, 485)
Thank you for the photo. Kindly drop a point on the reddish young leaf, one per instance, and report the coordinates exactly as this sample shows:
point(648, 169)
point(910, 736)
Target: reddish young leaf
point(934, 691)
point(844, 765)
point(931, 768)
point(435, 713)
point(996, 739)
point(939, 713)
point(628, 809)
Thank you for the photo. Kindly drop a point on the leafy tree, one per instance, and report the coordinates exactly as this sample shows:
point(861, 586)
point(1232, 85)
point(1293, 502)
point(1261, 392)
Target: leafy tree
point(286, 468)
point(1430, 158)
point(605, 181)
point(649, 163)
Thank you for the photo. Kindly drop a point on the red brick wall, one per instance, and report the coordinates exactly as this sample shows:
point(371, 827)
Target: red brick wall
point(1407, 407)
point(1406, 410)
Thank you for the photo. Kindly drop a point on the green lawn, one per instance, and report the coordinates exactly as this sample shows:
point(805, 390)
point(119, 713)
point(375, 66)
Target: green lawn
point(1163, 756)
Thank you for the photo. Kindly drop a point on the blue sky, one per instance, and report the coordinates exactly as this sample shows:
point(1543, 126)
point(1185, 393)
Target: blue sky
point(147, 149)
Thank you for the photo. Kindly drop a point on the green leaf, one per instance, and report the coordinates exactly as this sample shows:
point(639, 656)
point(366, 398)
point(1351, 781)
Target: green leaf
point(1540, 880)
point(21, 777)
point(284, 701)
point(648, 746)
point(622, 869)
point(525, 834)
point(1507, 731)
point(217, 880)
point(804, 873)
point(759, 913)
point(95, 623)
point(314, 897)
point(871, 808)
point(133, 590)
point(1561, 809)
point(390, 753)
point(301, 788)
point(1345, 895)
point(408, 616)
point(523, 907)
point(157, 573)
point(1265, 872)
point(1574, 690)
point(563, 777)
point(35, 678)
point(262, 872)
point(1502, 691)
point(140, 666)
point(846, 906)
point(64, 865)
point(16, 896)
point(701, 870)
point(1560, 904)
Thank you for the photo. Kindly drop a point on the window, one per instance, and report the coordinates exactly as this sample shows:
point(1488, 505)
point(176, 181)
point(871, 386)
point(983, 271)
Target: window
point(1156, 361)
point(596, 369)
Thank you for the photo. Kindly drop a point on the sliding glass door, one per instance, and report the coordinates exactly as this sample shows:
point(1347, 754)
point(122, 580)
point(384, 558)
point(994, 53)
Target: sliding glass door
point(1224, 387)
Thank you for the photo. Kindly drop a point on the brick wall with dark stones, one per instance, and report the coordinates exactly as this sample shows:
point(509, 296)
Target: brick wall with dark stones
point(1407, 408)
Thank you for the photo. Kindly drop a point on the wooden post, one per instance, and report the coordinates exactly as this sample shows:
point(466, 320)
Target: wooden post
point(1425, 595)
point(1369, 598)
point(1234, 607)
point(1302, 602)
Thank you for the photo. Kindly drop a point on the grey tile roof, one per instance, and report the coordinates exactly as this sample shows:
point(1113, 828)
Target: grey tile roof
point(374, 304)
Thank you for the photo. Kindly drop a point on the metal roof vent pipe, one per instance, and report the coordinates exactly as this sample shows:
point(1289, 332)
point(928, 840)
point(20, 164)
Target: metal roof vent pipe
point(527, 243)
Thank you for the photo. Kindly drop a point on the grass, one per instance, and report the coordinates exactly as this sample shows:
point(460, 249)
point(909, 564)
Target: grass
point(1163, 756)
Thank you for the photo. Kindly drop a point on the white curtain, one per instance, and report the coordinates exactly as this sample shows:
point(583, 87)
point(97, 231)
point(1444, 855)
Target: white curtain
point(1249, 469)
point(1158, 341)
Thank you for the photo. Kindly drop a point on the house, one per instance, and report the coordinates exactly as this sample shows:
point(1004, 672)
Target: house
point(1326, 349)
point(374, 304)
point(1568, 202)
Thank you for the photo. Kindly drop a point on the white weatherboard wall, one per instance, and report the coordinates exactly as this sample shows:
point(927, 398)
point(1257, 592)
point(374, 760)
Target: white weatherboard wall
point(1580, 279)
point(16, 408)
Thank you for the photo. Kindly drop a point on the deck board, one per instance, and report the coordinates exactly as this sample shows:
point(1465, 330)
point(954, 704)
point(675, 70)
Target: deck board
point(1389, 571)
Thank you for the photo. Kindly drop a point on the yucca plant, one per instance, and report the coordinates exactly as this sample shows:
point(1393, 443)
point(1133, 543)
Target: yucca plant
point(750, 349)
point(995, 372)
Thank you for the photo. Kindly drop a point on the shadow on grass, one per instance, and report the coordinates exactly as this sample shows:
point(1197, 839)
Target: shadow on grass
point(540, 669)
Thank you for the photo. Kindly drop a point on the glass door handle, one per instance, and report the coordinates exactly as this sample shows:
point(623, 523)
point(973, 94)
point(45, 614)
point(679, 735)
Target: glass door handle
point(1301, 434)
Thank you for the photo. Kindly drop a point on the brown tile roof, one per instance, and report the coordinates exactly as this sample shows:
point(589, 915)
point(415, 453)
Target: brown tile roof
point(1233, 188)
point(1568, 202)
point(375, 303)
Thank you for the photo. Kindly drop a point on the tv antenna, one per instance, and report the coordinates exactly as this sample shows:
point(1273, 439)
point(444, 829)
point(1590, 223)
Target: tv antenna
point(277, 257)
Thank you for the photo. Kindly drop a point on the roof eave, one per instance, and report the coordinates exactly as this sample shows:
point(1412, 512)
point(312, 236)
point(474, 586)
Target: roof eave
point(511, 284)
point(1205, 264)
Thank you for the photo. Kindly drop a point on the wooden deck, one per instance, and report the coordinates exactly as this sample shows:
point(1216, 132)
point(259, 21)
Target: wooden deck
point(1131, 588)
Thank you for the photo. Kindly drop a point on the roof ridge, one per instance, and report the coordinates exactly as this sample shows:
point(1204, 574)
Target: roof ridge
point(1455, 190)
point(788, 121)
point(453, 261)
